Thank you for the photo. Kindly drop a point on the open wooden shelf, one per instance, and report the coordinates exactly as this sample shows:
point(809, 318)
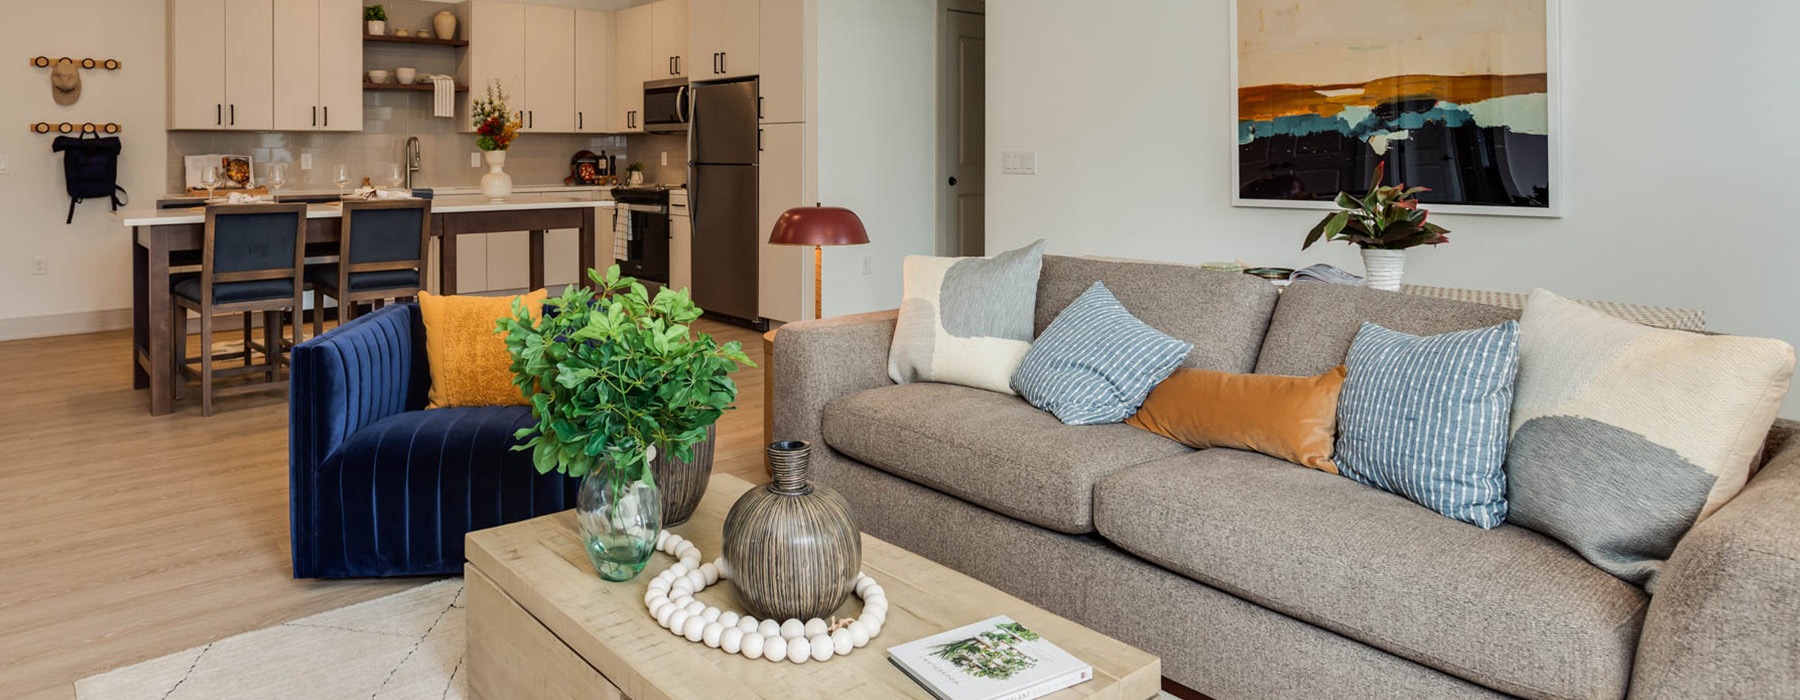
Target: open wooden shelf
point(419, 86)
point(415, 40)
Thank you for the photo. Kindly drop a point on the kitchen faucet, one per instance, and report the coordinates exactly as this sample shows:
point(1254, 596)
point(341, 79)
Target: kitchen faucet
point(413, 160)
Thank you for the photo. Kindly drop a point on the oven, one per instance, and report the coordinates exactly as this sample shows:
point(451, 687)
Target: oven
point(666, 106)
point(641, 232)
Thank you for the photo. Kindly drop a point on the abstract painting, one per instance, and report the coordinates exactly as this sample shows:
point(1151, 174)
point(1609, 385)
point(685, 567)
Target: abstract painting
point(1455, 95)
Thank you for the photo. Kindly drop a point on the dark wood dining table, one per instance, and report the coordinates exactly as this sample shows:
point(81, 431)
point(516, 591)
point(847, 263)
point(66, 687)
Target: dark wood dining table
point(160, 237)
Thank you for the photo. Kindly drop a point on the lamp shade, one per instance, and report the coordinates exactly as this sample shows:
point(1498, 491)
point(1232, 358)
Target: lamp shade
point(818, 226)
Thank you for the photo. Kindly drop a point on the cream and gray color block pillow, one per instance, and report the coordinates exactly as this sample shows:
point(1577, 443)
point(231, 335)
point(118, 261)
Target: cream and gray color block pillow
point(966, 320)
point(1624, 436)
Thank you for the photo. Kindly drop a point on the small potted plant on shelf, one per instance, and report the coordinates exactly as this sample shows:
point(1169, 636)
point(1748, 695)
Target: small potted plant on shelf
point(495, 128)
point(634, 174)
point(1384, 223)
point(615, 377)
point(376, 17)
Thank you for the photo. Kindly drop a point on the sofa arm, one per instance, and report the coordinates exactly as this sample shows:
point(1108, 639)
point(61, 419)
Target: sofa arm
point(359, 373)
point(817, 361)
point(1724, 620)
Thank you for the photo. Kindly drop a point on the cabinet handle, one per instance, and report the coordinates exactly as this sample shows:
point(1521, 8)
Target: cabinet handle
point(327, 115)
point(671, 65)
point(759, 103)
point(219, 114)
point(759, 140)
point(234, 115)
point(530, 118)
point(721, 61)
point(678, 65)
point(579, 124)
point(315, 115)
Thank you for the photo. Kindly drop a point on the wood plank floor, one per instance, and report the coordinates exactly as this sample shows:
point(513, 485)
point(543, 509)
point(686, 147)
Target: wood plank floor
point(124, 537)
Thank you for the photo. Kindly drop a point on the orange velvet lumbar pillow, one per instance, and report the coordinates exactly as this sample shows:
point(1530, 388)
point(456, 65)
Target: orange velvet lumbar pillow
point(470, 365)
point(1292, 418)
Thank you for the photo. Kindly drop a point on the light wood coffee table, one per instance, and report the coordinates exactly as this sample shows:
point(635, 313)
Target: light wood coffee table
point(542, 624)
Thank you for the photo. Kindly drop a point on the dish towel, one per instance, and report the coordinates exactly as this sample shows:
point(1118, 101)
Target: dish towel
point(621, 235)
point(443, 102)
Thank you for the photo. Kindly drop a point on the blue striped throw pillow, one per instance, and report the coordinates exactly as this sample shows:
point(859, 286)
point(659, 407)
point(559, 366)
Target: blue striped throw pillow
point(1427, 418)
point(1096, 362)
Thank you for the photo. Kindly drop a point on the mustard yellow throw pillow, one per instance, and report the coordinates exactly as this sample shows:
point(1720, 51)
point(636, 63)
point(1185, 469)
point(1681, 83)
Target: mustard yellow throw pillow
point(1291, 418)
point(469, 362)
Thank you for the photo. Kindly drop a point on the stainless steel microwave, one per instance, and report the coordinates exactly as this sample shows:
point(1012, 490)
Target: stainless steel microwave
point(666, 106)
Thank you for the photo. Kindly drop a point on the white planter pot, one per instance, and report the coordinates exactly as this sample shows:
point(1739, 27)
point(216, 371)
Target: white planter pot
point(377, 27)
point(1383, 268)
point(496, 185)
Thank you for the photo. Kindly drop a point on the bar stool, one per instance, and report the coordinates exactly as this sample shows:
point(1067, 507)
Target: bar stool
point(381, 256)
point(252, 259)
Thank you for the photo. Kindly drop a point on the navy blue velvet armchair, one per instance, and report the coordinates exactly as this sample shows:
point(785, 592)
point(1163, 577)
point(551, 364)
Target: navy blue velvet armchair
point(377, 485)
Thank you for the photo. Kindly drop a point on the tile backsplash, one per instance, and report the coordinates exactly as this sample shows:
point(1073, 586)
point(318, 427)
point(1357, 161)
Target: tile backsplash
point(389, 118)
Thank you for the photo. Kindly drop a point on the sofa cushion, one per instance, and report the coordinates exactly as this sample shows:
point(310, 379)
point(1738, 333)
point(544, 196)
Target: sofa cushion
point(1313, 325)
point(993, 450)
point(1506, 608)
point(1224, 314)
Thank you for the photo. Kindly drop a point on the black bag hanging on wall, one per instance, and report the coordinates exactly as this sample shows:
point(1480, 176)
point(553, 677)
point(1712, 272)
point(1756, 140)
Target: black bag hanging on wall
point(90, 168)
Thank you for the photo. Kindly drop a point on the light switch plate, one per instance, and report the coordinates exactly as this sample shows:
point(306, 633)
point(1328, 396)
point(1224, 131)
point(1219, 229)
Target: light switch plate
point(1018, 162)
point(306, 161)
point(5, 165)
point(475, 159)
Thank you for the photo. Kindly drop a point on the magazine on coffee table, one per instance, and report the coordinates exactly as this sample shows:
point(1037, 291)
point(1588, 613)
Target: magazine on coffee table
point(995, 659)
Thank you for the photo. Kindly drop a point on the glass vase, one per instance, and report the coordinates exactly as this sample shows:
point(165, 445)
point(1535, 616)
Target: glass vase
point(619, 512)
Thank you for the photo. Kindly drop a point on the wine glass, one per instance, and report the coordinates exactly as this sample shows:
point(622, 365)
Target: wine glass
point(341, 176)
point(395, 175)
point(276, 180)
point(209, 178)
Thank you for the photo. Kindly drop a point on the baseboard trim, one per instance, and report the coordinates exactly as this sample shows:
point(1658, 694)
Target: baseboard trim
point(64, 324)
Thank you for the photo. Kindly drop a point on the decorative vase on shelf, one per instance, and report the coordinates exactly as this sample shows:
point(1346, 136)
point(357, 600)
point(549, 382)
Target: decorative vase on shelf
point(496, 185)
point(683, 482)
point(377, 27)
point(444, 24)
point(619, 513)
point(794, 549)
point(1383, 268)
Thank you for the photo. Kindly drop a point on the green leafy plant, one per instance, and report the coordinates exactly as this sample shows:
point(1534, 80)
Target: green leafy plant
point(635, 168)
point(374, 13)
point(1387, 218)
point(613, 374)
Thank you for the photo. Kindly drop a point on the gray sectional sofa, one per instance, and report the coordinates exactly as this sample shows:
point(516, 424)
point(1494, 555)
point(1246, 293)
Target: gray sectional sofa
point(1256, 578)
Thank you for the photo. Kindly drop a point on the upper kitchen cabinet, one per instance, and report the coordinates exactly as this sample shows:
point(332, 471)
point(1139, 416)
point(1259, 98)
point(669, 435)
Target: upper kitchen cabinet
point(669, 39)
point(318, 64)
point(221, 64)
point(496, 34)
point(782, 61)
point(548, 95)
point(723, 38)
point(634, 61)
point(593, 70)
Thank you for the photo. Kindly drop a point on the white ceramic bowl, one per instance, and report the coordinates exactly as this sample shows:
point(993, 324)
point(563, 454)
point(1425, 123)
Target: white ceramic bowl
point(378, 76)
point(404, 75)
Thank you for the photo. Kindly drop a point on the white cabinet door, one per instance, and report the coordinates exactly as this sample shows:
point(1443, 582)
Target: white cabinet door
point(496, 33)
point(297, 49)
point(249, 57)
point(549, 92)
point(593, 70)
point(340, 65)
point(508, 260)
point(196, 64)
point(669, 39)
point(784, 275)
point(704, 31)
point(633, 63)
point(681, 252)
point(739, 35)
point(782, 61)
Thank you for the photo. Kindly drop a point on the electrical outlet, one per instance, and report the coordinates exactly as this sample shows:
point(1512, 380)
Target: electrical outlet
point(5, 165)
point(665, 157)
point(306, 161)
point(868, 265)
point(475, 159)
point(40, 265)
point(1018, 162)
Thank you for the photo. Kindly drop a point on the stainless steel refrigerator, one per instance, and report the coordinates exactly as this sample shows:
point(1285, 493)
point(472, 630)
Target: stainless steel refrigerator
point(723, 144)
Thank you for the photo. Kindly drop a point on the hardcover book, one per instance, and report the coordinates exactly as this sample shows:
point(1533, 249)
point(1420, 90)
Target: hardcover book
point(995, 659)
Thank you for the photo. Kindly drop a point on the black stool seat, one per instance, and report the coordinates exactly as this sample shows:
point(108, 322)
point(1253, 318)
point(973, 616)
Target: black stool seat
point(234, 292)
point(326, 277)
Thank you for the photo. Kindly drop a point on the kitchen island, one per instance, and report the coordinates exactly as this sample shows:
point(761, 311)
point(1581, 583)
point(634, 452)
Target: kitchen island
point(160, 235)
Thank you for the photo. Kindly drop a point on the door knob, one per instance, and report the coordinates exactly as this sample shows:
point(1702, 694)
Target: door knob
point(952, 180)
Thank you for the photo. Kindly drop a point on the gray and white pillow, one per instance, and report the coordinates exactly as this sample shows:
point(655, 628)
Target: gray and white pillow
point(966, 320)
point(1096, 363)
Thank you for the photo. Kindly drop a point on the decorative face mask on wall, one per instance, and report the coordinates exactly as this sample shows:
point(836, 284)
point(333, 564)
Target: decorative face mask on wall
point(65, 82)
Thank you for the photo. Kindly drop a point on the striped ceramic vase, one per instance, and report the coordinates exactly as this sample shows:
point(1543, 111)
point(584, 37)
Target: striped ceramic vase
point(684, 482)
point(793, 547)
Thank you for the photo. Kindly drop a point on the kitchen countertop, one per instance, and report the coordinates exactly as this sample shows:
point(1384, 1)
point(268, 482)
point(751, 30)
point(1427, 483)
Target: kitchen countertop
point(444, 204)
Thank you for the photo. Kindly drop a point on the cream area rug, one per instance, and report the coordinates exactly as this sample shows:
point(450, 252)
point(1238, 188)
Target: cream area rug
point(405, 646)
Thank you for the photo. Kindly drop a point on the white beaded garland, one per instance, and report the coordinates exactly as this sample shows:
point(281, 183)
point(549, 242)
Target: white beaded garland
point(669, 597)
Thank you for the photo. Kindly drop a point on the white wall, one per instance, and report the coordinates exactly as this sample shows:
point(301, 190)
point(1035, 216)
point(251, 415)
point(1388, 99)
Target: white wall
point(1678, 145)
point(88, 284)
point(876, 128)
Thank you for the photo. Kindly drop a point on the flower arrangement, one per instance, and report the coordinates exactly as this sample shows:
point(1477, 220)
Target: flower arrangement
point(495, 125)
point(615, 376)
point(1387, 218)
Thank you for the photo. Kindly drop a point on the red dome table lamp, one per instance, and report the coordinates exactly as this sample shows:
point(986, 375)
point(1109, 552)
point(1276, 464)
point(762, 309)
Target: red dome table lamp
point(818, 226)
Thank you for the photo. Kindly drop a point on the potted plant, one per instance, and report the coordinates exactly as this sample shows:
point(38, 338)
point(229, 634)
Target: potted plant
point(376, 17)
point(1384, 223)
point(614, 377)
point(495, 128)
point(634, 174)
